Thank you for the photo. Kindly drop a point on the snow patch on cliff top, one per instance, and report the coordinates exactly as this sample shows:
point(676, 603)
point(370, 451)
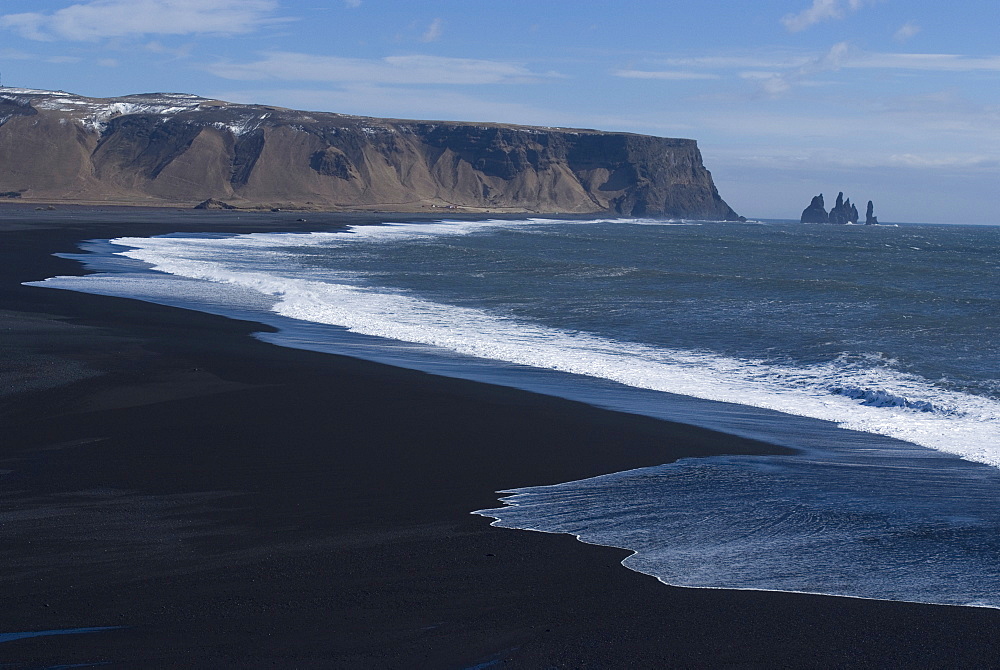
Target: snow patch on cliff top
point(94, 113)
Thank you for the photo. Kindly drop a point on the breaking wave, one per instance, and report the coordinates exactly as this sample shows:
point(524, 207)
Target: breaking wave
point(865, 394)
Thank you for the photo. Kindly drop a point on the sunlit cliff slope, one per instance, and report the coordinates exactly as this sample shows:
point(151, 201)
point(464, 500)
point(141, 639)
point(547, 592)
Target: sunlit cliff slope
point(178, 149)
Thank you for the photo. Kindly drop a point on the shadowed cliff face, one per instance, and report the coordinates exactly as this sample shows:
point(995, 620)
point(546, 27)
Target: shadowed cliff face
point(175, 148)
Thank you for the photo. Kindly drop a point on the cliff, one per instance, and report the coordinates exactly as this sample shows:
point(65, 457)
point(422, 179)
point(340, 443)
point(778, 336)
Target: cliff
point(170, 148)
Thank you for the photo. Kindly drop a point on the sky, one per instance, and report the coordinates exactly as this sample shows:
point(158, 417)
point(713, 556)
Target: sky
point(895, 101)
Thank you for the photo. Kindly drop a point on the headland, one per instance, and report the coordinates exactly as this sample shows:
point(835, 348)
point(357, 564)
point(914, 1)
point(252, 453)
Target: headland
point(176, 149)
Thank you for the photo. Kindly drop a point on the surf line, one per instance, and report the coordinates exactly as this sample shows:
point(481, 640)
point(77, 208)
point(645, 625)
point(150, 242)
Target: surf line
point(11, 637)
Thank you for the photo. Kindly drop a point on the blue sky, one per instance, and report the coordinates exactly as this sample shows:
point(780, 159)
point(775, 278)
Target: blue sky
point(897, 101)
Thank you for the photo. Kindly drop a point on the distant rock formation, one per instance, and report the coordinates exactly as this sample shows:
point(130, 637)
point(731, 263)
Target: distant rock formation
point(175, 148)
point(816, 211)
point(843, 212)
point(870, 218)
point(211, 203)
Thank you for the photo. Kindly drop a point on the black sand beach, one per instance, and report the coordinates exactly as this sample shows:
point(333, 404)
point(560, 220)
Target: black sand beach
point(222, 502)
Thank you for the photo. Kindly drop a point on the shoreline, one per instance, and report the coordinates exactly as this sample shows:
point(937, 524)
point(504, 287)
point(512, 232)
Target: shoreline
point(232, 503)
point(47, 205)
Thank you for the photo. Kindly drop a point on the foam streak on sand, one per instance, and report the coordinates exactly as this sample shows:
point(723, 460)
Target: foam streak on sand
point(11, 637)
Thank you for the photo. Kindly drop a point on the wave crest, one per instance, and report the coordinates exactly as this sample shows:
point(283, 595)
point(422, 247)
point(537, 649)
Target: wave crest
point(883, 398)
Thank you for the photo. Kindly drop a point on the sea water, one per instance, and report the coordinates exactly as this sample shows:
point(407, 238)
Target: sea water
point(872, 350)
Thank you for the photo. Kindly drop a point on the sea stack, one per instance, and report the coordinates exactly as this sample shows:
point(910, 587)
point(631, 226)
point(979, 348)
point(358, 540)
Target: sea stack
point(870, 218)
point(815, 212)
point(843, 212)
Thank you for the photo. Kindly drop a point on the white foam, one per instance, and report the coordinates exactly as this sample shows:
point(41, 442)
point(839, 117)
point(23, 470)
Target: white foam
point(864, 395)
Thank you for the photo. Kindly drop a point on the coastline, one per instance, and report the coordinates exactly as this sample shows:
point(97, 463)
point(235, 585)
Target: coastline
point(231, 503)
point(415, 208)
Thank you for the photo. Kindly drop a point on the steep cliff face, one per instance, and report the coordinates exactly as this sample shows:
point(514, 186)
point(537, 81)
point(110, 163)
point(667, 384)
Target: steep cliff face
point(175, 148)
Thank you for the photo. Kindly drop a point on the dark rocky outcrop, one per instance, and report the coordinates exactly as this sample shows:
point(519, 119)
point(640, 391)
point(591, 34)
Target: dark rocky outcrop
point(177, 148)
point(843, 211)
point(213, 204)
point(334, 163)
point(815, 212)
point(870, 218)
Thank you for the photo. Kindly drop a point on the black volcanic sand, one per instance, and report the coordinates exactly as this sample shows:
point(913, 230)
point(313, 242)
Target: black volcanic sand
point(230, 503)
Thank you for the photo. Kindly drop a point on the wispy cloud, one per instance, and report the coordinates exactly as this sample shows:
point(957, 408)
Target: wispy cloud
point(352, 3)
point(398, 102)
point(778, 73)
point(819, 11)
point(937, 125)
point(14, 54)
point(906, 32)
point(672, 75)
point(433, 32)
point(739, 61)
point(776, 83)
point(183, 51)
point(939, 160)
point(446, 104)
point(416, 69)
point(844, 56)
point(925, 62)
point(100, 19)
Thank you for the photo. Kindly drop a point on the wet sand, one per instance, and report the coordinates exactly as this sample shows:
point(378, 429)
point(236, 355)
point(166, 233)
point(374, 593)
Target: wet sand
point(221, 502)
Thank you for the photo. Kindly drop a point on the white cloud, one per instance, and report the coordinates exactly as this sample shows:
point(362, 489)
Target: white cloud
point(417, 69)
point(938, 125)
point(924, 62)
point(433, 32)
point(741, 61)
point(776, 83)
point(771, 83)
point(101, 19)
point(819, 11)
point(673, 75)
point(14, 54)
point(843, 55)
point(906, 32)
point(398, 102)
point(352, 3)
point(935, 160)
point(183, 51)
point(832, 156)
point(447, 104)
point(780, 73)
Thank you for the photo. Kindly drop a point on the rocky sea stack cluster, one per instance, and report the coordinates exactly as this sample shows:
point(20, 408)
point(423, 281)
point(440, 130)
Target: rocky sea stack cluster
point(843, 212)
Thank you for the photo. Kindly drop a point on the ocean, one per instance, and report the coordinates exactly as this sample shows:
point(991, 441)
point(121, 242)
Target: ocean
point(873, 351)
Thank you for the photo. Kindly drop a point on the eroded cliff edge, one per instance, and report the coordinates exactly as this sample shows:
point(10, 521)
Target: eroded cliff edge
point(181, 149)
